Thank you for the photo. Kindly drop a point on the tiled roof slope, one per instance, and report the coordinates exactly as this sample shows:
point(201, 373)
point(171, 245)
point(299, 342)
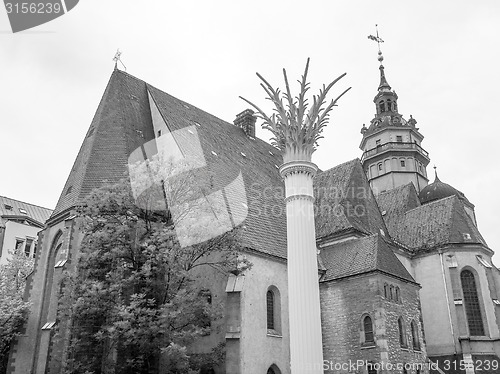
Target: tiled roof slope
point(344, 200)
point(123, 122)
point(395, 203)
point(436, 223)
point(34, 212)
point(234, 153)
point(362, 255)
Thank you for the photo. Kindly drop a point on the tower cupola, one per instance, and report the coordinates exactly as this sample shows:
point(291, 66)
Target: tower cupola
point(386, 100)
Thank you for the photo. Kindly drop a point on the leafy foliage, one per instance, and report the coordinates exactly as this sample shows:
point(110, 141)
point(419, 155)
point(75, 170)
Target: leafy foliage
point(13, 309)
point(293, 125)
point(138, 299)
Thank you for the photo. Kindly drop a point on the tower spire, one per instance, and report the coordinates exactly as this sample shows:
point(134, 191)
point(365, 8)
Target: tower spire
point(384, 85)
point(436, 178)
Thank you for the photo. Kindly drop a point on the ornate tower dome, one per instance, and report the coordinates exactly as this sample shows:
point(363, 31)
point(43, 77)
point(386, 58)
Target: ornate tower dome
point(439, 190)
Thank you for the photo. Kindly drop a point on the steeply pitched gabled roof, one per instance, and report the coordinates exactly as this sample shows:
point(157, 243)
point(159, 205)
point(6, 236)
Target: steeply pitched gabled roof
point(394, 203)
point(435, 224)
point(123, 124)
point(344, 200)
point(360, 256)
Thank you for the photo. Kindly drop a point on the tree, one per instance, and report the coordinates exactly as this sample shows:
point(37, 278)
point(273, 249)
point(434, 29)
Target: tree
point(137, 299)
point(13, 309)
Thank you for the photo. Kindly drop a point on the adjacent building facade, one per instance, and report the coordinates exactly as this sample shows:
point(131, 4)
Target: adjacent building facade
point(19, 226)
point(405, 277)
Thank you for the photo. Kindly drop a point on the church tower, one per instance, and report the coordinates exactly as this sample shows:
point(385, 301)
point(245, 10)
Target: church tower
point(391, 145)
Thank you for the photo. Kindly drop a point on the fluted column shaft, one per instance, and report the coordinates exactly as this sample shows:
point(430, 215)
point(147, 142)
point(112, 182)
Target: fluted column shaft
point(306, 348)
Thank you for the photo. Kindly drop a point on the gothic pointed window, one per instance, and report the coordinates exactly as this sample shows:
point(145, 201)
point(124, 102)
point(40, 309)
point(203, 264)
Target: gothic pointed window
point(402, 335)
point(368, 329)
point(471, 301)
point(414, 335)
point(273, 370)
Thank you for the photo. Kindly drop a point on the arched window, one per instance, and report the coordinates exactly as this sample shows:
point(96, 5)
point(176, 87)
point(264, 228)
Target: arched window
point(202, 316)
point(414, 336)
point(471, 301)
point(371, 368)
point(402, 335)
point(207, 369)
point(397, 294)
point(381, 106)
point(273, 369)
point(386, 291)
point(270, 310)
point(368, 329)
point(273, 310)
point(391, 292)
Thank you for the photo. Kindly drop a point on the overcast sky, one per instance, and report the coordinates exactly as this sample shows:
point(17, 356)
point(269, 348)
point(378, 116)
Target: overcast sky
point(441, 57)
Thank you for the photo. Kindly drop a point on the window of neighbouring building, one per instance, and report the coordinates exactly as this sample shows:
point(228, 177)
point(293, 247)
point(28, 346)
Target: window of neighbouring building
point(27, 247)
point(471, 300)
point(19, 244)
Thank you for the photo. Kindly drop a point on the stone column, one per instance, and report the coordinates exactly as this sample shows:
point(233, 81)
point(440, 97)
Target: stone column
point(306, 348)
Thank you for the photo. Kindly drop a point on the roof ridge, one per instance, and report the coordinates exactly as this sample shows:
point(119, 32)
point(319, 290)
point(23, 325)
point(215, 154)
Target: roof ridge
point(382, 245)
point(396, 189)
point(118, 71)
point(23, 202)
point(432, 203)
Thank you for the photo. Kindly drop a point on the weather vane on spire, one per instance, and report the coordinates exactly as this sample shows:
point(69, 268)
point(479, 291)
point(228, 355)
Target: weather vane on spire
point(379, 40)
point(118, 58)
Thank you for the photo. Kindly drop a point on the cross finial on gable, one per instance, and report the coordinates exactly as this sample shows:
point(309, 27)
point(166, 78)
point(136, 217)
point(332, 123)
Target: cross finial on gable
point(118, 58)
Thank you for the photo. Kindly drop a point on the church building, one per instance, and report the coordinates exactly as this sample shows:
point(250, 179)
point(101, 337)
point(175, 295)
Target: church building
point(406, 280)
